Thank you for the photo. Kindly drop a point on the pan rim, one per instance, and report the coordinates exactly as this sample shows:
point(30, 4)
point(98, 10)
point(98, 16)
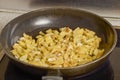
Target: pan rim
point(72, 9)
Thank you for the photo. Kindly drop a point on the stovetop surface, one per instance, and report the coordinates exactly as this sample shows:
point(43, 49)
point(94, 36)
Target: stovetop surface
point(109, 70)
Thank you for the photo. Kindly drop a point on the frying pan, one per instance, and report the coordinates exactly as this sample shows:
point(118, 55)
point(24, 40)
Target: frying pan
point(54, 18)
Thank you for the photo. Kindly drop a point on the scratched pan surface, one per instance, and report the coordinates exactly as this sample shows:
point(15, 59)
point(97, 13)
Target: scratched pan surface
point(55, 18)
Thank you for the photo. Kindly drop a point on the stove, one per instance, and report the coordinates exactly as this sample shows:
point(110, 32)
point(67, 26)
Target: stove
point(109, 70)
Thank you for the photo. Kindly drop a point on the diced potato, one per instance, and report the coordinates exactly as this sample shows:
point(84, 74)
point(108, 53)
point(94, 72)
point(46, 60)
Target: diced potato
point(59, 48)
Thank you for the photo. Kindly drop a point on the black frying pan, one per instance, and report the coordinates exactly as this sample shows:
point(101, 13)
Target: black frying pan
point(55, 18)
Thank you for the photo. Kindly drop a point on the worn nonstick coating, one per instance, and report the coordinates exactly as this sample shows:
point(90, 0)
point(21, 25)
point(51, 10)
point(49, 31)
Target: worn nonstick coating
point(55, 18)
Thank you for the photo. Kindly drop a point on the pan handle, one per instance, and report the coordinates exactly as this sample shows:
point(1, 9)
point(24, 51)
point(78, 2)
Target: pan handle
point(52, 78)
point(53, 75)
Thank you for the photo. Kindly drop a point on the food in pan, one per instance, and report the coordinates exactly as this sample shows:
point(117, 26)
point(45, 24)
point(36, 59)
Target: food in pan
point(64, 47)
